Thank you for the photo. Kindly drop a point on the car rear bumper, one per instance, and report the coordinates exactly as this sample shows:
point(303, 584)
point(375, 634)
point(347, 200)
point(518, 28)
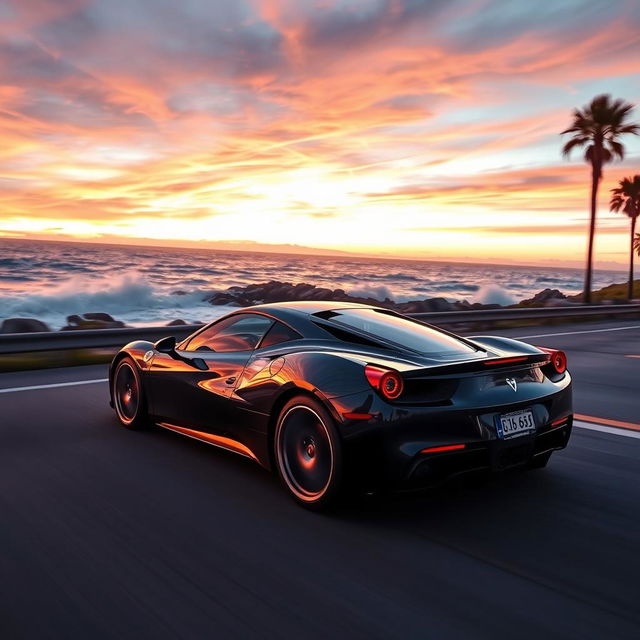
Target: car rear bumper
point(409, 447)
point(496, 455)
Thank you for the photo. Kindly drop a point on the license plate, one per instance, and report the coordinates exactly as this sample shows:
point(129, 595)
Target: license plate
point(514, 424)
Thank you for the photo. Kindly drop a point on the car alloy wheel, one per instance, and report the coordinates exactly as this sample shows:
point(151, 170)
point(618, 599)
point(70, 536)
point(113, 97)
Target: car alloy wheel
point(307, 453)
point(127, 394)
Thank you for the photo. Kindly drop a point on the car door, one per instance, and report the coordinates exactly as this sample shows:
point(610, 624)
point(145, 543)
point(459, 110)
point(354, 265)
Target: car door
point(192, 387)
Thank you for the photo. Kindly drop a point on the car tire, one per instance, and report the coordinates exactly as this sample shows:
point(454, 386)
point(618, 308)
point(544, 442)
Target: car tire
point(308, 453)
point(129, 400)
point(539, 462)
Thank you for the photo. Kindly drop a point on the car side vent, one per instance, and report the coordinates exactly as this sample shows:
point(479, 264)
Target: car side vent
point(347, 336)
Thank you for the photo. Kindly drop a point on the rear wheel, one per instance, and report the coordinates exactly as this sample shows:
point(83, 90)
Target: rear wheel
point(128, 395)
point(308, 453)
point(539, 462)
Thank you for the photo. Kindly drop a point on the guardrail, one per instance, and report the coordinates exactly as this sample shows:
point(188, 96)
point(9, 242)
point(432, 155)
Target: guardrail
point(529, 313)
point(12, 343)
point(87, 338)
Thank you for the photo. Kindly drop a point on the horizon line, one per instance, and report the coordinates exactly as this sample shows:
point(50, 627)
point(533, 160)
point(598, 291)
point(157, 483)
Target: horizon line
point(286, 249)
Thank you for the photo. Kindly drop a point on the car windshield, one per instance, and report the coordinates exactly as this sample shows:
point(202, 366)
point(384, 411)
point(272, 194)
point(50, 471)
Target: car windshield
point(402, 331)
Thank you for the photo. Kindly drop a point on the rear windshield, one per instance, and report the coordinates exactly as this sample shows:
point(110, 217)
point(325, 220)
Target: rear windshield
point(402, 331)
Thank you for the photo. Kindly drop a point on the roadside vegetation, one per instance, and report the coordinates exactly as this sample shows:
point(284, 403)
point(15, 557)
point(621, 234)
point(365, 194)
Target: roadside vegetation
point(626, 198)
point(598, 128)
point(616, 292)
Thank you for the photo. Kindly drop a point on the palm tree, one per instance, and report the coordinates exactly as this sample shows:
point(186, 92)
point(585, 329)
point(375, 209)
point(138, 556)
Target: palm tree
point(598, 127)
point(626, 198)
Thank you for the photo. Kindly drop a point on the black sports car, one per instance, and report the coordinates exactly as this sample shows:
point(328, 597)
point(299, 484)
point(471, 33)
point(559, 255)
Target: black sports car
point(333, 395)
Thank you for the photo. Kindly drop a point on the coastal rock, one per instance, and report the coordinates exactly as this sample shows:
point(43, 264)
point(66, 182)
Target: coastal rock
point(275, 291)
point(99, 316)
point(178, 322)
point(545, 298)
point(92, 321)
point(426, 306)
point(223, 298)
point(23, 325)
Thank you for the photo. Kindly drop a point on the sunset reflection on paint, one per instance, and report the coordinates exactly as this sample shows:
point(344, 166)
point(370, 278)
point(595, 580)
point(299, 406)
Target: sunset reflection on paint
point(395, 127)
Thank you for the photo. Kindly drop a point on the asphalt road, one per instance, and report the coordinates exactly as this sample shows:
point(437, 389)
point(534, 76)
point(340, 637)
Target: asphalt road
point(106, 533)
point(604, 363)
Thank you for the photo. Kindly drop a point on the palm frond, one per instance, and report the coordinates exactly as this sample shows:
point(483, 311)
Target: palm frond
point(633, 129)
point(616, 203)
point(600, 124)
point(626, 196)
point(616, 148)
point(574, 142)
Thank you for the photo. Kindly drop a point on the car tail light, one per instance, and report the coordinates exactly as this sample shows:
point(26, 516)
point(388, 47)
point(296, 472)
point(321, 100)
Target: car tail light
point(386, 381)
point(558, 359)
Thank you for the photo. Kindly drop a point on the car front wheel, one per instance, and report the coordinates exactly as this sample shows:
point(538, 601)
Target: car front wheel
point(308, 453)
point(128, 395)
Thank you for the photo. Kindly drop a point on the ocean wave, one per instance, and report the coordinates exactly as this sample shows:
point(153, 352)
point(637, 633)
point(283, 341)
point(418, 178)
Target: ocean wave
point(494, 294)
point(16, 277)
point(377, 293)
point(128, 297)
point(551, 280)
point(455, 286)
point(72, 266)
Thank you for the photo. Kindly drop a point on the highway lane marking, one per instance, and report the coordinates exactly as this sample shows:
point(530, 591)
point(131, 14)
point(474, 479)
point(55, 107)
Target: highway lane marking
point(573, 333)
point(596, 427)
point(35, 387)
point(608, 421)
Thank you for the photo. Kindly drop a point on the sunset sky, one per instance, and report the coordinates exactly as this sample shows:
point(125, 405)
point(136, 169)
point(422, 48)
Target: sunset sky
point(400, 127)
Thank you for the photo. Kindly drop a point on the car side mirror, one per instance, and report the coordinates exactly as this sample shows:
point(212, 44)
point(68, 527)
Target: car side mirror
point(166, 345)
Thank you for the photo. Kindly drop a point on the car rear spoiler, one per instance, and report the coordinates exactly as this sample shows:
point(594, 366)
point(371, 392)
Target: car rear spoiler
point(489, 364)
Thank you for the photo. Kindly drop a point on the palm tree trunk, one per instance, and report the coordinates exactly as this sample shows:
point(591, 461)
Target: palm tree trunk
point(633, 229)
point(595, 179)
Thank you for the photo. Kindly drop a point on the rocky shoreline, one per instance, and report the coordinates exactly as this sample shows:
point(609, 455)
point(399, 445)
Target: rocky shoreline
point(276, 291)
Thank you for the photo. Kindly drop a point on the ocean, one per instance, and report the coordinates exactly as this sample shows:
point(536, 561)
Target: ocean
point(153, 285)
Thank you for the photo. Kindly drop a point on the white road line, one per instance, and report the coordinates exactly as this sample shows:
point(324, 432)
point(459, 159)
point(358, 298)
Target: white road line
point(628, 433)
point(52, 386)
point(573, 333)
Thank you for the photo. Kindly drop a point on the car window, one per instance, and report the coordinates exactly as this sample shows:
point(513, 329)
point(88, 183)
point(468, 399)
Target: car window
point(237, 333)
point(279, 333)
point(402, 331)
